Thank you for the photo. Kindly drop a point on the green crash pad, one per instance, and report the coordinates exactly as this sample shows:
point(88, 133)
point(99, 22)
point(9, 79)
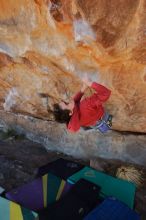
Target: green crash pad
point(110, 186)
point(12, 211)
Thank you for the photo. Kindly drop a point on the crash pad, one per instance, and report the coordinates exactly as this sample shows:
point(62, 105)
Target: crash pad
point(76, 204)
point(66, 188)
point(110, 186)
point(38, 193)
point(113, 209)
point(11, 211)
point(61, 167)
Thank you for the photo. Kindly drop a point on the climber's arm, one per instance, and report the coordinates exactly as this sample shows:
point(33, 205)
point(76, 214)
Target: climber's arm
point(103, 93)
point(74, 123)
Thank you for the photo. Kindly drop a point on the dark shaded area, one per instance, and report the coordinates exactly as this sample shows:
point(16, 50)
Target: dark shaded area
point(20, 158)
point(83, 194)
point(61, 115)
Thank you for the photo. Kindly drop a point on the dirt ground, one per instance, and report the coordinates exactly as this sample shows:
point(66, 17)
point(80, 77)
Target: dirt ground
point(20, 159)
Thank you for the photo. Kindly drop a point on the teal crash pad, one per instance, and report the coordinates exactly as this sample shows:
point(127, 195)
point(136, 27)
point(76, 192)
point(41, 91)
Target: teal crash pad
point(13, 211)
point(110, 186)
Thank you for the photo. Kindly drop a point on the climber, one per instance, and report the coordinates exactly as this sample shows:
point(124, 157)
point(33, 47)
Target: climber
point(87, 113)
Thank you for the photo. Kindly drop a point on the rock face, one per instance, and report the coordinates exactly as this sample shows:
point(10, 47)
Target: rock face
point(125, 147)
point(47, 46)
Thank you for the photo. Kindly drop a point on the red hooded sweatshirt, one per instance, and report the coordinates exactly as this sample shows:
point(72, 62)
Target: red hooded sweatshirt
point(88, 111)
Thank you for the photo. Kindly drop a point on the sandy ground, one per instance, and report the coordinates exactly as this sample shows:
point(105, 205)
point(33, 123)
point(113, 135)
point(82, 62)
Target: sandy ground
point(20, 158)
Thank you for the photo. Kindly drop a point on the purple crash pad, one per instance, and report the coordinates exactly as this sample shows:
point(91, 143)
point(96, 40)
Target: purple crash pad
point(39, 193)
point(29, 195)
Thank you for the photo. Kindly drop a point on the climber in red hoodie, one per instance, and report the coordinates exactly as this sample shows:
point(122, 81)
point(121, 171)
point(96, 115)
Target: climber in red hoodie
point(87, 113)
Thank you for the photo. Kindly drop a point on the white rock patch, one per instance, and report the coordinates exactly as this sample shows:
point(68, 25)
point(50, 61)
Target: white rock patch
point(10, 99)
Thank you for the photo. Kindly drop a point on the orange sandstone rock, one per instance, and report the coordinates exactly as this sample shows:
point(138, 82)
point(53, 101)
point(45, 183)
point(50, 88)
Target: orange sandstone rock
point(47, 46)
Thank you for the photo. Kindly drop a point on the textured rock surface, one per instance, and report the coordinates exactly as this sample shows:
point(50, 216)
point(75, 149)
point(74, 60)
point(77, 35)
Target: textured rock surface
point(85, 144)
point(46, 46)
